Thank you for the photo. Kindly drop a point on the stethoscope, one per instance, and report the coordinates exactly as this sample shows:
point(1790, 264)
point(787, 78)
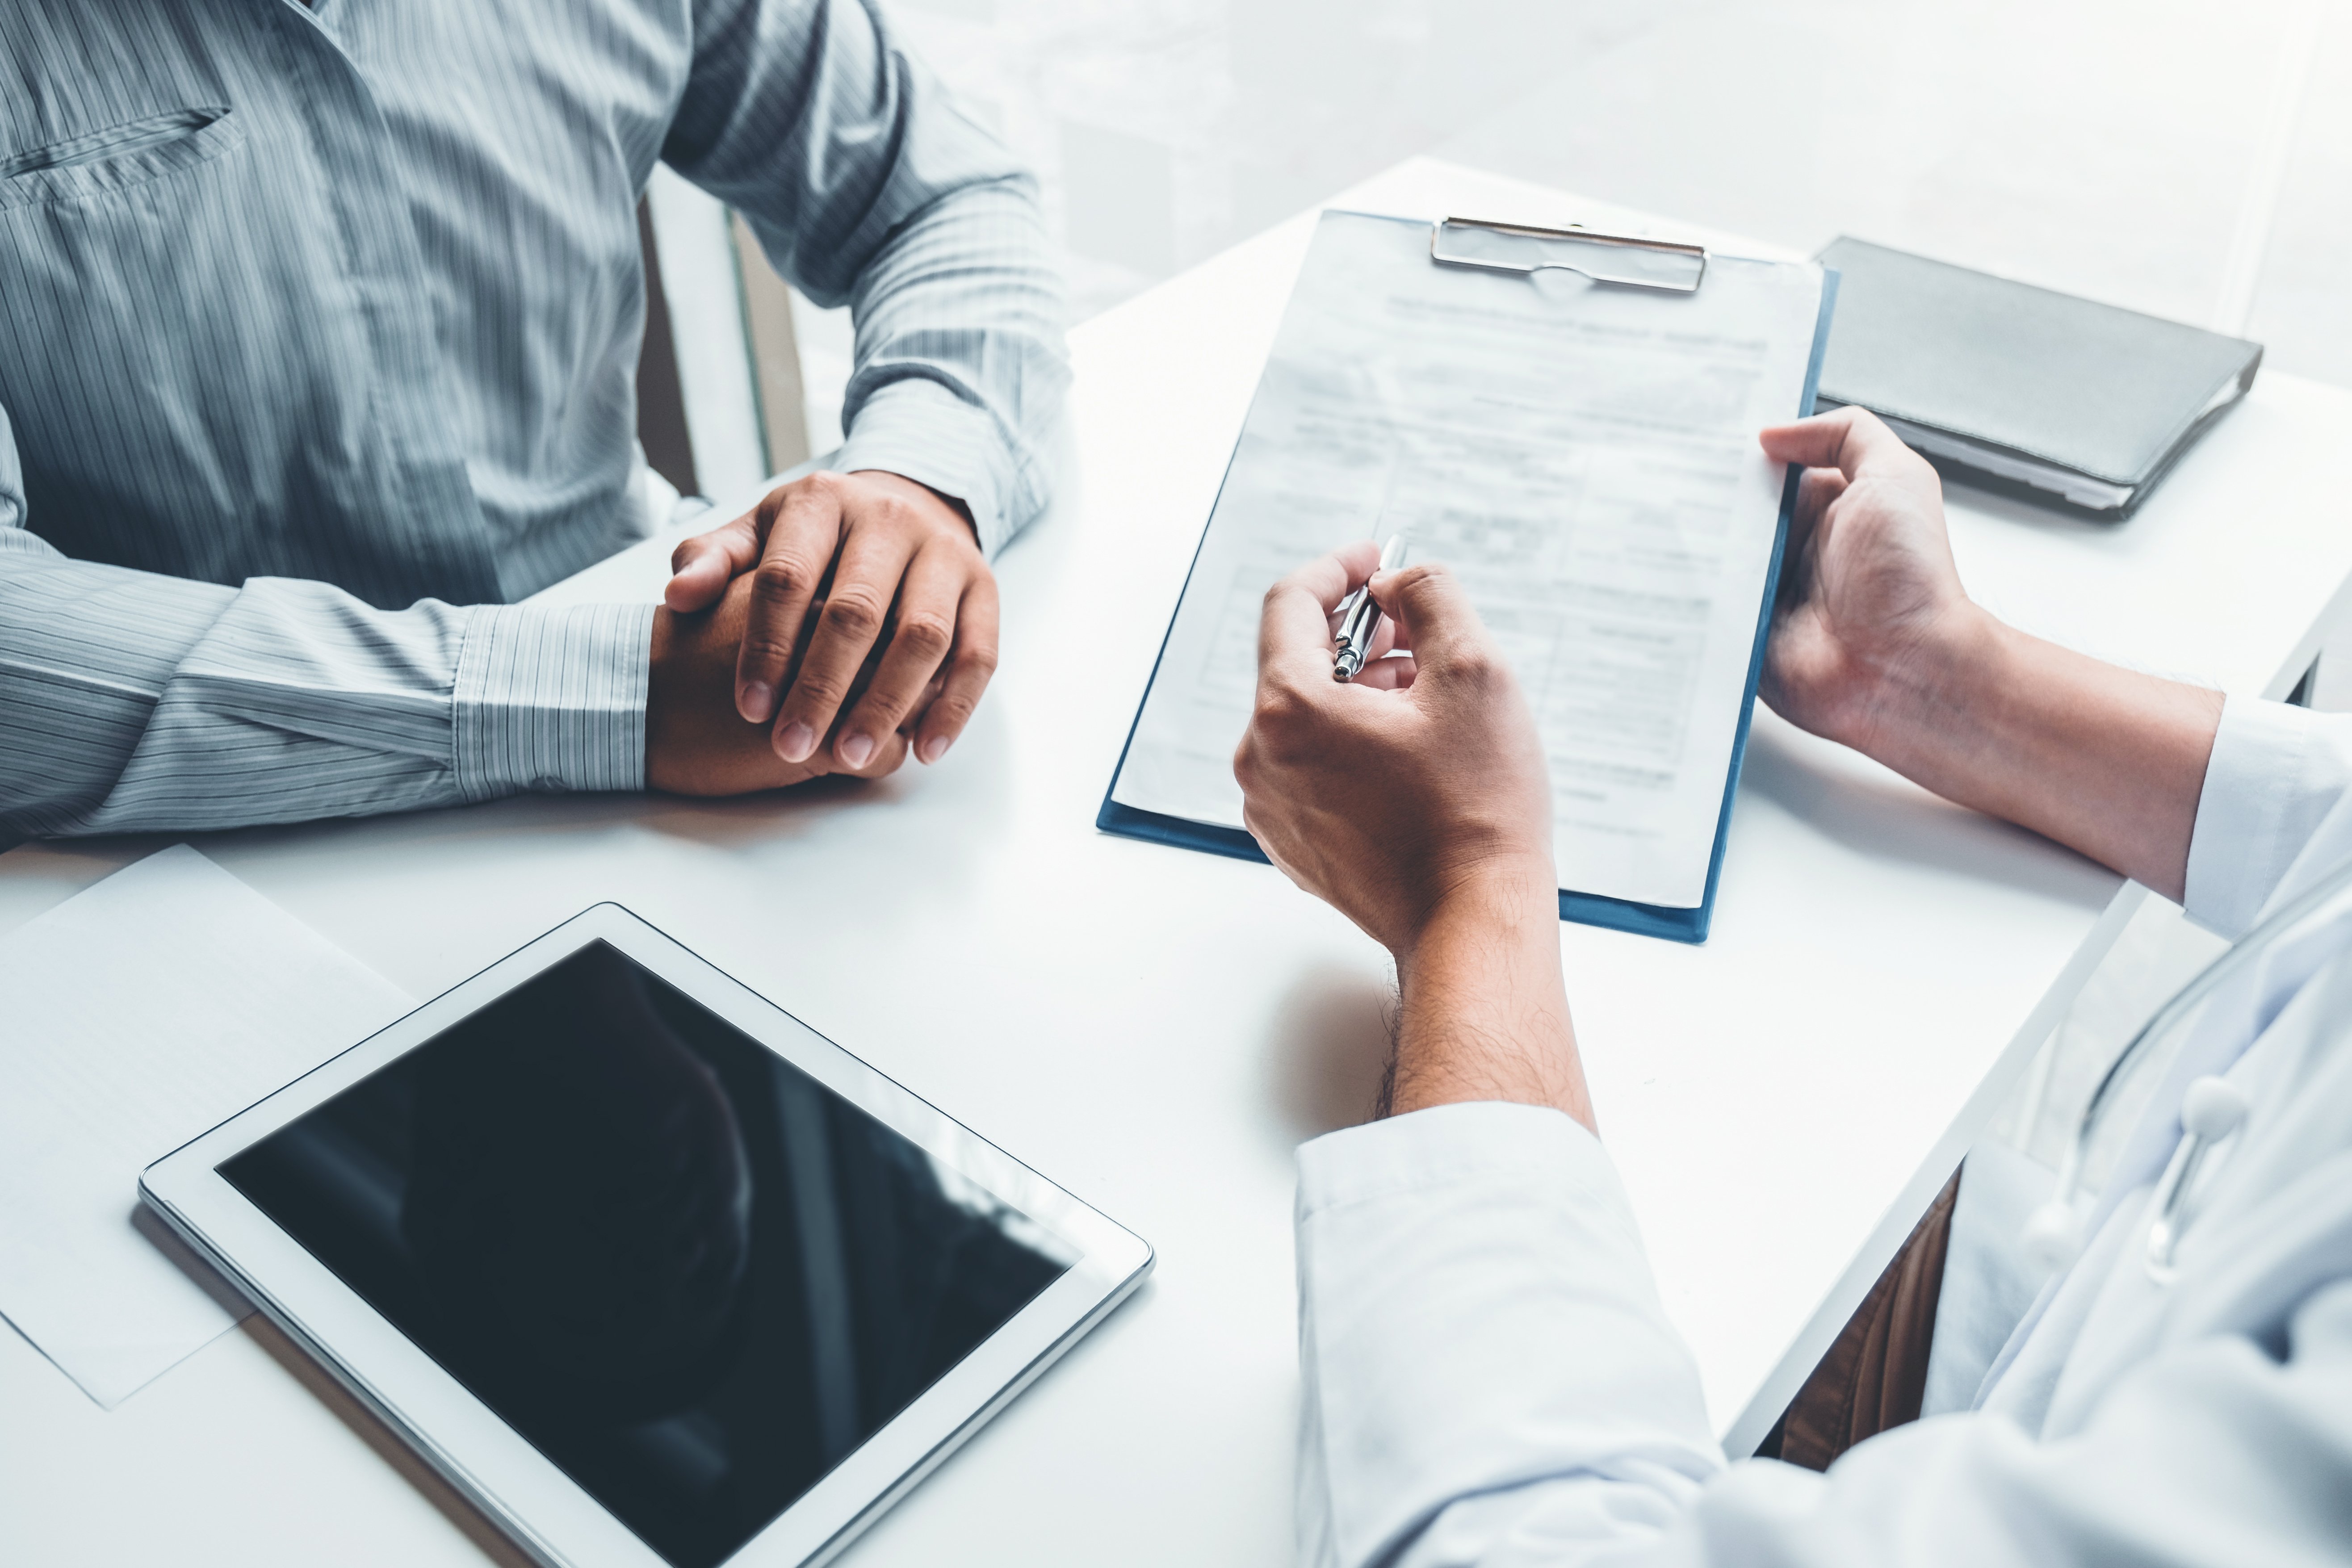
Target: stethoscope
point(2212, 1109)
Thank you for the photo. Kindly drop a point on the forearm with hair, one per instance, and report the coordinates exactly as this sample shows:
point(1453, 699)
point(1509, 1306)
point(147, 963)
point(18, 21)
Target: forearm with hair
point(1484, 1012)
point(2107, 761)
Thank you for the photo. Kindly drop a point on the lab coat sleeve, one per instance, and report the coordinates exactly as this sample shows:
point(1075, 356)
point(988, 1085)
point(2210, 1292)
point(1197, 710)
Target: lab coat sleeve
point(1481, 1347)
point(2278, 779)
point(1490, 1381)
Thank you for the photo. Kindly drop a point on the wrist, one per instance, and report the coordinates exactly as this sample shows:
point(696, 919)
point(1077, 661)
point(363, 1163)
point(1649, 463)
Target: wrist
point(661, 706)
point(1937, 696)
point(1506, 897)
point(2109, 762)
point(1483, 1012)
point(920, 494)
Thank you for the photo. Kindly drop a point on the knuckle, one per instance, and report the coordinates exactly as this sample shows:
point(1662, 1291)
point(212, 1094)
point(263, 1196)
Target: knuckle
point(764, 649)
point(854, 612)
point(1477, 666)
point(926, 633)
point(872, 710)
point(1283, 712)
point(817, 692)
point(905, 713)
point(1278, 703)
point(951, 710)
point(1483, 677)
point(978, 659)
point(777, 576)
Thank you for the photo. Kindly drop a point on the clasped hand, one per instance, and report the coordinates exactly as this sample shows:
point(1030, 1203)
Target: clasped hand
point(844, 622)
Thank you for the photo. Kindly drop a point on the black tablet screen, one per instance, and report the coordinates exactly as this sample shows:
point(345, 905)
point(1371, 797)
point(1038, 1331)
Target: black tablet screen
point(683, 1270)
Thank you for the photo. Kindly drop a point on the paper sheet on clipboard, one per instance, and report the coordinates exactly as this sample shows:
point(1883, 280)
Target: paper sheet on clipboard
point(1584, 457)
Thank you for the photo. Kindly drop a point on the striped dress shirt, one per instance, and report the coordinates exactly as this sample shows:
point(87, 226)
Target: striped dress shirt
point(318, 331)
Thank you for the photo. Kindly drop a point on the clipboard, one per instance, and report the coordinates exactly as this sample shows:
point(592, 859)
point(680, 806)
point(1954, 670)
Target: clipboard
point(1613, 262)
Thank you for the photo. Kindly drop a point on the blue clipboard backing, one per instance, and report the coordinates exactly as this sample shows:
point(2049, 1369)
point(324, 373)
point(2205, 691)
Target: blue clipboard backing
point(1585, 909)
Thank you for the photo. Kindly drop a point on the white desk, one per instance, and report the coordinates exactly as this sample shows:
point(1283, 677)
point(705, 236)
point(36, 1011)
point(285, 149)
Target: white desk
point(1157, 1029)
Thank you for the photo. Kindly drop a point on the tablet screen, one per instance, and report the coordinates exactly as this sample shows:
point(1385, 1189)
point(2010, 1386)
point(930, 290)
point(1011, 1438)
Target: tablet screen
point(687, 1273)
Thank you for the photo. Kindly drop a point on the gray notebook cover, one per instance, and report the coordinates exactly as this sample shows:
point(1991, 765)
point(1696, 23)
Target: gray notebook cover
point(2048, 377)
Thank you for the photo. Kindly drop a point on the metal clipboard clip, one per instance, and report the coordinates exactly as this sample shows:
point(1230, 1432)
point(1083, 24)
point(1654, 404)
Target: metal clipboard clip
point(1603, 258)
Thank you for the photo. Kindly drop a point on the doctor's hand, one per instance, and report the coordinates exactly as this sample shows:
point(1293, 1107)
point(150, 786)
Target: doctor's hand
point(1875, 645)
point(696, 742)
point(1871, 611)
point(1415, 801)
point(1420, 785)
point(867, 571)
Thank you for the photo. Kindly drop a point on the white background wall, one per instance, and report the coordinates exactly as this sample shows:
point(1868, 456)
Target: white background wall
point(2187, 157)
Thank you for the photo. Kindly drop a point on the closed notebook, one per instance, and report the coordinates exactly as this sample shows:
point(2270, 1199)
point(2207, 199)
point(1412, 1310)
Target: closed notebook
point(2056, 399)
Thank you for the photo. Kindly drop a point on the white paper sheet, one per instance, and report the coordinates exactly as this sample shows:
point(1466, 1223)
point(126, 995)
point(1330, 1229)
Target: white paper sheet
point(1584, 458)
point(132, 1017)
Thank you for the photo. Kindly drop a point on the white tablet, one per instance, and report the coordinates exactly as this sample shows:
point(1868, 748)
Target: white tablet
point(650, 1270)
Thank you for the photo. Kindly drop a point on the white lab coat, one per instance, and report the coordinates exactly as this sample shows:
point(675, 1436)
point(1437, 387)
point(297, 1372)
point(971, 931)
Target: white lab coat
point(1489, 1378)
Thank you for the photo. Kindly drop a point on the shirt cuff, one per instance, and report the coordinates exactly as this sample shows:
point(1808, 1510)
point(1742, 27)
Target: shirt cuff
point(2276, 772)
point(552, 698)
point(920, 429)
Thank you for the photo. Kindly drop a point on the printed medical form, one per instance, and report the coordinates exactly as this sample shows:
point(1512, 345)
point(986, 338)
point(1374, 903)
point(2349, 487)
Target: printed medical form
point(1583, 456)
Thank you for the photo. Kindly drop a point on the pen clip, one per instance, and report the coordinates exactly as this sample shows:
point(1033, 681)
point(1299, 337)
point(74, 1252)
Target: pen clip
point(1360, 614)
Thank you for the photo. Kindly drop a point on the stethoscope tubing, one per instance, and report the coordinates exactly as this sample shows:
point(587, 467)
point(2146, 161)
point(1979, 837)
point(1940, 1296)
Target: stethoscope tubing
point(2213, 1110)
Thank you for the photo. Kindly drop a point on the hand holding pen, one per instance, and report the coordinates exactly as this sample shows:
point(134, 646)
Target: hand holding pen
point(1359, 617)
point(1416, 789)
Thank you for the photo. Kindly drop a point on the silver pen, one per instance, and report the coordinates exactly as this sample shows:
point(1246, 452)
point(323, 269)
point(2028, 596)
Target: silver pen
point(1359, 617)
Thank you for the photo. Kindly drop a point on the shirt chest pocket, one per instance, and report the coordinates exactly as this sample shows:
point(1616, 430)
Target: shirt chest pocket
point(119, 157)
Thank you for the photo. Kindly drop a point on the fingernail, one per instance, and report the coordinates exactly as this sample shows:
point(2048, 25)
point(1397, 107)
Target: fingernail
point(856, 749)
point(796, 742)
point(759, 701)
point(934, 748)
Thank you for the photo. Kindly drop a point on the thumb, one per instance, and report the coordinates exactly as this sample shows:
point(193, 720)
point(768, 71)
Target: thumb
point(701, 567)
point(1853, 441)
point(1434, 613)
point(1294, 629)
